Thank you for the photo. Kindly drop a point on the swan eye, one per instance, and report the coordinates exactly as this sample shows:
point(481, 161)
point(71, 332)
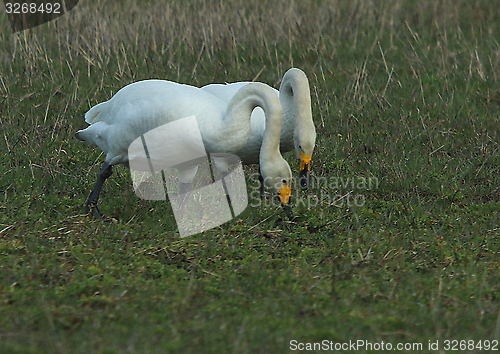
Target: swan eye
point(283, 181)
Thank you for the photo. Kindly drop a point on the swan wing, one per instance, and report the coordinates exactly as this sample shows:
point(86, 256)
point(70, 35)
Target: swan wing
point(143, 106)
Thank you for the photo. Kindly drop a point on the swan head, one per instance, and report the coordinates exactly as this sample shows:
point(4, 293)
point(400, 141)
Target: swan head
point(278, 176)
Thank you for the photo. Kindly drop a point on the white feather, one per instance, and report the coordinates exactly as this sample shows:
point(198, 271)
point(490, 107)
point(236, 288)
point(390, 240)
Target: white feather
point(298, 129)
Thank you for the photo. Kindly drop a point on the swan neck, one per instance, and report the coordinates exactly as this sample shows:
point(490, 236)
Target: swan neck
point(240, 109)
point(295, 97)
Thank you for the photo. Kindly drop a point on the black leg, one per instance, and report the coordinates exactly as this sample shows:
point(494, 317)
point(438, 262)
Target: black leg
point(91, 204)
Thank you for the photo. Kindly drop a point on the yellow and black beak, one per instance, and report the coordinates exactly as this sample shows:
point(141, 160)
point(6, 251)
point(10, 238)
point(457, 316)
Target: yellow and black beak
point(285, 194)
point(305, 167)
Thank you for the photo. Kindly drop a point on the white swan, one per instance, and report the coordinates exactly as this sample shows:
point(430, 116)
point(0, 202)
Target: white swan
point(297, 129)
point(142, 106)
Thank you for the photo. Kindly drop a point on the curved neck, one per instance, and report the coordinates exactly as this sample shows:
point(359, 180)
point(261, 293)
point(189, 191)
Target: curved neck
point(295, 98)
point(237, 119)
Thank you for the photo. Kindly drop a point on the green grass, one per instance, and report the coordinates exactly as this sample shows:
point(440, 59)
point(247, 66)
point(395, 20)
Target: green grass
point(404, 92)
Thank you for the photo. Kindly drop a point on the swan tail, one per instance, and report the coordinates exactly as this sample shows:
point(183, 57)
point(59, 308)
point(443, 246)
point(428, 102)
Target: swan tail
point(93, 113)
point(94, 134)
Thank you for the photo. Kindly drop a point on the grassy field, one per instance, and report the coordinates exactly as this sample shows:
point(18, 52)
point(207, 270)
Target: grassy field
point(406, 94)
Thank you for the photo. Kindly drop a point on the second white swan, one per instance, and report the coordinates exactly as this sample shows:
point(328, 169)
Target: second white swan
point(297, 130)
